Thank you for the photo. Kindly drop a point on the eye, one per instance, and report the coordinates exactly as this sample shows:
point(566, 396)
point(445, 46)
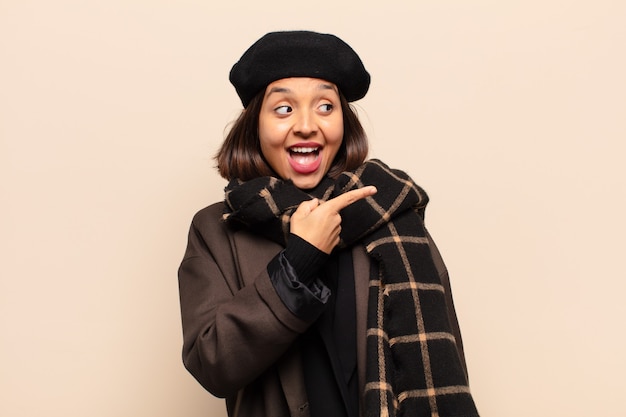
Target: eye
point(283, 109)
point(326, 108)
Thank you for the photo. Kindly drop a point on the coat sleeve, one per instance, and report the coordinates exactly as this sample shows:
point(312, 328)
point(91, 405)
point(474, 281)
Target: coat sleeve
point(231, 334)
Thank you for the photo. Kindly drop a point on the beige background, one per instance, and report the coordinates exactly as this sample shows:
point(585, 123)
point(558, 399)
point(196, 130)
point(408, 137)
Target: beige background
point(510, 113)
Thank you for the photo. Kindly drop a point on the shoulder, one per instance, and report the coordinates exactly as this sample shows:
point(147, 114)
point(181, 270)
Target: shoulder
point(210, 216)
point(208, 225)
point(208, 229)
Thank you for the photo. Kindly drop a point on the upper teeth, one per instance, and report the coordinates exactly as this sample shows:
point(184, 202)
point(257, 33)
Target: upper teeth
point(303, 150)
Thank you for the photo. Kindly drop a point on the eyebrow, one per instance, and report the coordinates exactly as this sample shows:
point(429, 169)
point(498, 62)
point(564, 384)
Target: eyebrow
point(288, 91)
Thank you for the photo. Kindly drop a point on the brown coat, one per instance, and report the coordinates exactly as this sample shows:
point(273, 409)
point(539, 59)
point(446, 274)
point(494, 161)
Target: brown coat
point(238, 334)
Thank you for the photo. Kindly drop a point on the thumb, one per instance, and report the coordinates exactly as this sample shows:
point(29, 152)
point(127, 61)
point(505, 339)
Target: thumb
point(306, 207)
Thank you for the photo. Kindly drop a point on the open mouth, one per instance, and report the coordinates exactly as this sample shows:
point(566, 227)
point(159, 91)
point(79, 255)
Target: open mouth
point(304, 155)
point(305, 159)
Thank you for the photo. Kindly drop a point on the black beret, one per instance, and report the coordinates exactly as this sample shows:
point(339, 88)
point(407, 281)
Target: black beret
point(280, 55)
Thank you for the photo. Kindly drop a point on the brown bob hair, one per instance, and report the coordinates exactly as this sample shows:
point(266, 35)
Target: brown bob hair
point(240, 155)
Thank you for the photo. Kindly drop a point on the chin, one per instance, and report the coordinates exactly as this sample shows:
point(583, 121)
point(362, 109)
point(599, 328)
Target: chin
point(306, 183)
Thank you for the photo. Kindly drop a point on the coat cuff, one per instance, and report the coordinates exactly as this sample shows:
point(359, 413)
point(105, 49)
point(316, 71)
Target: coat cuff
point(307, 302)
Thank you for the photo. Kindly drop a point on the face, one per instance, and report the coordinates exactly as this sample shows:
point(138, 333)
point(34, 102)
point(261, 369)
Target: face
point(301, 128)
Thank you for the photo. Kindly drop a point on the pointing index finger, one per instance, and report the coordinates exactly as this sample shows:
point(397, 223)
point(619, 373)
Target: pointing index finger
point(344, 200)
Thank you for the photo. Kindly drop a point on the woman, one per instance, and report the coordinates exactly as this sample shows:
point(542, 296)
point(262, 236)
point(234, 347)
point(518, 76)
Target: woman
point(314, 289)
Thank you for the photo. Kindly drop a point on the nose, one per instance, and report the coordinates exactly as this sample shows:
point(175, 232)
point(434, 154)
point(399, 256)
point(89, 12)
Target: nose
point(305, 124)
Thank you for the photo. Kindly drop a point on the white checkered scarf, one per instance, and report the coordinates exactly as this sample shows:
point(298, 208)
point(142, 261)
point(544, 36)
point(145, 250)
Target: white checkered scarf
point(413, 363)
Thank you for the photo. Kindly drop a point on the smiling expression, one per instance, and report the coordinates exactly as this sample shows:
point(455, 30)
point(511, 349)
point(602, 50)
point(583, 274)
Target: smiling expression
point(301, 128)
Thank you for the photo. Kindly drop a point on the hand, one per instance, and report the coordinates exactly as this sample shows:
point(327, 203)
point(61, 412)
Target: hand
point(320, 224)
